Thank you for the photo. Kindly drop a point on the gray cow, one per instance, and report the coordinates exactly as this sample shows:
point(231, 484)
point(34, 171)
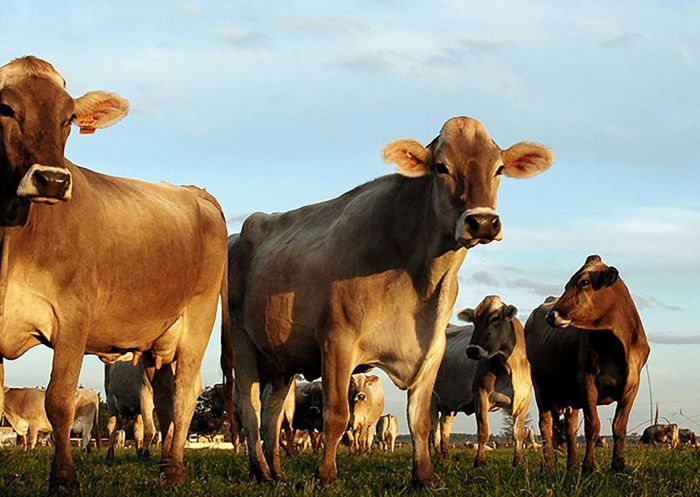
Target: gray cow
point(130, 394)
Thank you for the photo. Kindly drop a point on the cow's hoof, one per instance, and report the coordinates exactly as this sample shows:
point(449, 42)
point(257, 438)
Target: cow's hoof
point(145, 455)
point(66, 478)
point(618, 465)
point(326, 479)
point(173, 473)
point(479, 463)
point(260, 475)
point(425, 481)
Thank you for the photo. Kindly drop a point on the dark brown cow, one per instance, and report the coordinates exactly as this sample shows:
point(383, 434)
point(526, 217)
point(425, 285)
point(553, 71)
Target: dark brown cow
point(594, 360)
point(661, 434)
point(96, 264)
point(366, 279)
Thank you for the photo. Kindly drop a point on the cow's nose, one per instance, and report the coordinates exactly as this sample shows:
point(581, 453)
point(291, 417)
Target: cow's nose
point(472, 352)
point(360, 396)
point(314, 411)
point(550, 318)
point(47, 184)
point(483, 225)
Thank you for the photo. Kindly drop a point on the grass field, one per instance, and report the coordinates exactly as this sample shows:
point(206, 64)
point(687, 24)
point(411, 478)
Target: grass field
point(217, 473)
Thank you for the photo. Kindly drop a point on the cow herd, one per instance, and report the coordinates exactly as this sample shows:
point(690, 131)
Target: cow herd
point(134, 271)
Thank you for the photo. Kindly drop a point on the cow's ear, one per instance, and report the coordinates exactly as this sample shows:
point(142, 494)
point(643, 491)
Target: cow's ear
point(509, 312)
point(372, 379)
point(526, 159)
point(99, 109)
point(593, 258)
point(605, 278)
point(411, 158)
point(466, 315)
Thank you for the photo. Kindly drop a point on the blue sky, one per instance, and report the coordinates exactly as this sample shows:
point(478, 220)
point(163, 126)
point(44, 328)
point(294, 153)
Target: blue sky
point(272, 105)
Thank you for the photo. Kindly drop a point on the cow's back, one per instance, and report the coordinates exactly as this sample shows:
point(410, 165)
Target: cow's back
point(453, 386)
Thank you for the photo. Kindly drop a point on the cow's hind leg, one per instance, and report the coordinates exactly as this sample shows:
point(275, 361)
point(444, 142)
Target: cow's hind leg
point(138, 434)
point(198, 321)
point(337, 368)
point(518, 436)
point(272, 413)
point(60, 409)
point(249, 405)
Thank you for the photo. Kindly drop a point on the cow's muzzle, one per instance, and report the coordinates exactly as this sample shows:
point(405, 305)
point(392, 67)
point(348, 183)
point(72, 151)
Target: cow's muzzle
point(46, 184)
point(476, 352)
point(360, 397)
point(314, 411)
point(479, 225)
point(556, 320)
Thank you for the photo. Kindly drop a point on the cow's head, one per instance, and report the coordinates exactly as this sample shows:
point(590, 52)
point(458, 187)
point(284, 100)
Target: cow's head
point(36, 114)
point(493, 328)
point(467, 165)
point(359, 386)
point(588, 297)
point(310, 400)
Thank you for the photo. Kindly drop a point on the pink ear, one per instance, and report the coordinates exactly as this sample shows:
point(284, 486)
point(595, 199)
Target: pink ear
point(372, 379)
point(526, 159)
point(411, 158)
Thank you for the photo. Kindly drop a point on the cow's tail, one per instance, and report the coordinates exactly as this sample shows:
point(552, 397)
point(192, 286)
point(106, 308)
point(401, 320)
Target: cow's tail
point(97, 422)
point(227, 352)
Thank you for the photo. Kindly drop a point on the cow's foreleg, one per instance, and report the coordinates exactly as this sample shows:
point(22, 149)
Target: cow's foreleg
point(112, 435)
point(138, 434)
point(481, 411)
point(519, 436)
point(146, 403)
point(446, 422)
point(272, 414)
point(592, 421)
point(419, 396)
point(337, 369)
point(546, 431)
point(60, 409)
point(163, 381)
point(31, 437)
point(622, 414)
point(571, 445)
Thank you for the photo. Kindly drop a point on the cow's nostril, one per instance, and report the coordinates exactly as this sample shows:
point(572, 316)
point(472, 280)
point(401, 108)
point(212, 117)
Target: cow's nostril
point(40, 179)
point(472, 222)
point(496, 223)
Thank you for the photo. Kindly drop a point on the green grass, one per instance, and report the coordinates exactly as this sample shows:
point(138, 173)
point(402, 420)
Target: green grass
point(212, 473)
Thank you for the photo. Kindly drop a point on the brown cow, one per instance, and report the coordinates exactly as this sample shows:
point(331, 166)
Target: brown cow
point(24, 410)
point(594, 360)
point(366, 279)
point(366, 398)
point(97, 264)
point(502, 375)
point(661, 434)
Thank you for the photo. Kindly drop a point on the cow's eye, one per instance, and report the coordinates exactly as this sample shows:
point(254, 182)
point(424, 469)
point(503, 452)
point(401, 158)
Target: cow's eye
point(494, 319)
point(499, 171)
point(584, 283)
point(6, 111)
point(441, 168)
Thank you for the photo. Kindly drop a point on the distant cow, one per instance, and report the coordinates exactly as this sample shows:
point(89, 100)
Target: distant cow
point(587, 349)
point(129, 394)
point(661, 434)
point(686, 436)
point(602, 442)
point(489, 361)
point(366, 397)
point(95, 264)
point(366, 279)
point(25, 411)
point(308, 410)
point(387, 430)
point(119, 439)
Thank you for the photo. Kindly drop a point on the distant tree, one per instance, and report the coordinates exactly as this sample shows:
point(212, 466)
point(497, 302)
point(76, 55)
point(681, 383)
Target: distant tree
point(209, 415)
point(508, 425)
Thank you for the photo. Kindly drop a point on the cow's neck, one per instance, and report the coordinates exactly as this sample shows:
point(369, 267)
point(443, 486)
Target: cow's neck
point(424, 238)
point(626, 325)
